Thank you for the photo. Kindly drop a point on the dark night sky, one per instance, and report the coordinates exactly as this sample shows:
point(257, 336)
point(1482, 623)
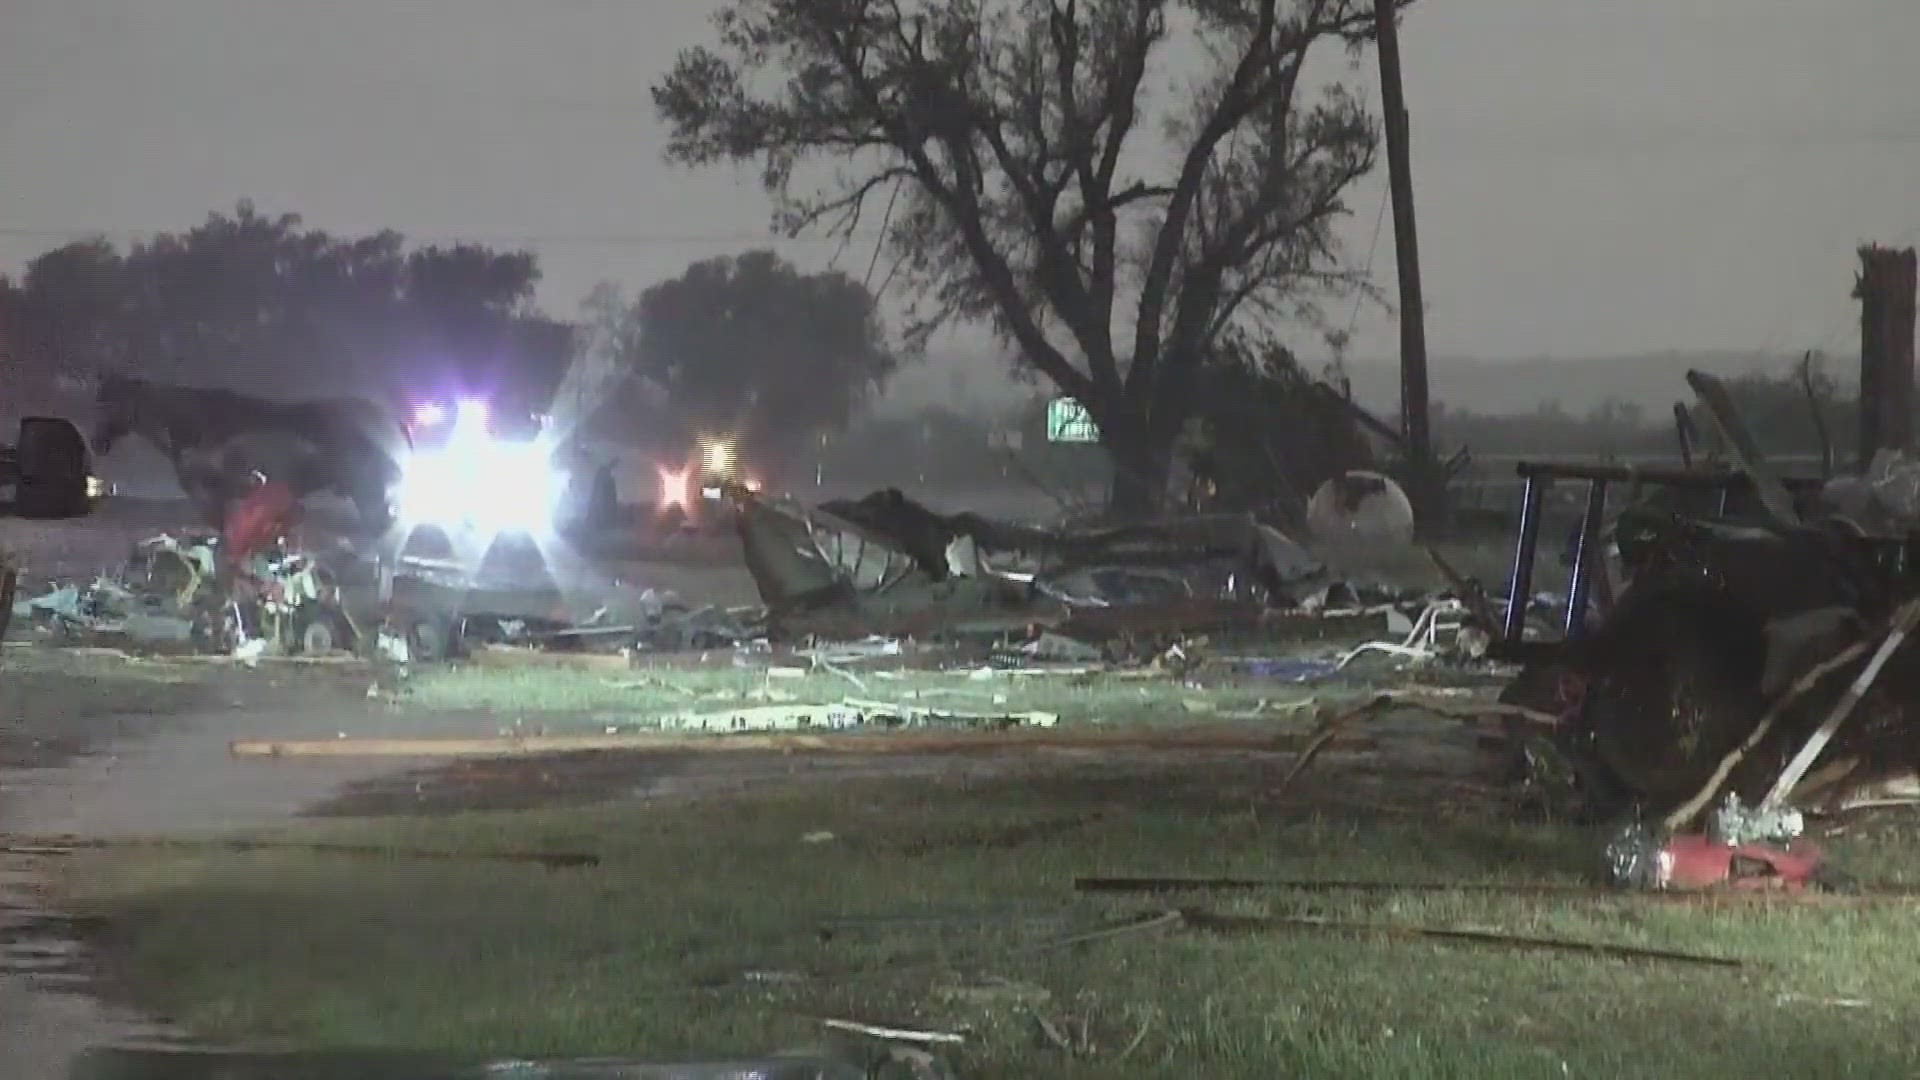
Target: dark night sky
point(1593, 177)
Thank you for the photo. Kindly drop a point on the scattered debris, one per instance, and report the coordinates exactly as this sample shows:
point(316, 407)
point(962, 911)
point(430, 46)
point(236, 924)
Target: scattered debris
point(1219, 922)
point(1726, 631)
point(1737, 825)
point(995, 995)
point(886, 555)
point(1380, 703)
point(1637, 858)
point(176, 593)
point(896, 1034)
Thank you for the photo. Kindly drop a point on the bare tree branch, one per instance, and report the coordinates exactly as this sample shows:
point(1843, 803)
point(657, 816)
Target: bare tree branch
point(1012, 128)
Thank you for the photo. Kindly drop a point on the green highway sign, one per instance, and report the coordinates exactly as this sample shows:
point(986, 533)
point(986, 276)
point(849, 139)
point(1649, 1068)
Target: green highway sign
point(1068, 422)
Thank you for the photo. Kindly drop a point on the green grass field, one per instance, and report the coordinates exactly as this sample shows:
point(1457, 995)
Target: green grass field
point(714, 929)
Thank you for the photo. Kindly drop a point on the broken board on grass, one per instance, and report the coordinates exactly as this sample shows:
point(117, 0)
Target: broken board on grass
point(848, 715)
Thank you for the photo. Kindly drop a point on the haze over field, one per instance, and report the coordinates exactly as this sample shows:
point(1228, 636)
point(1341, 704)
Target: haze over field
point(1651, 380)
point(1593, 179)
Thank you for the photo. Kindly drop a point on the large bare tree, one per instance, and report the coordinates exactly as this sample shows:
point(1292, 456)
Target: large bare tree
point(1040, 188)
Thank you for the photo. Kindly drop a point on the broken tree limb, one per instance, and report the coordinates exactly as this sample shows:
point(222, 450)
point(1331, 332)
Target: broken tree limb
point(944, 959)
point(1903, 624)
point(921, 742)
point(1471, 710)
point(1684, 815)
point(1475, 600)
point(1327, 732)
point(1378, 703)
point(1156, 920)
point(1218, 922)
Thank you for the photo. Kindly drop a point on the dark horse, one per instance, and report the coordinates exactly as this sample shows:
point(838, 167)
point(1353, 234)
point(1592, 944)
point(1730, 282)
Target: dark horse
point(216, 440)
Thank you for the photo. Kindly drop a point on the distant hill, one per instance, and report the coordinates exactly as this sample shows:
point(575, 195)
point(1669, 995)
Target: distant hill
point(976, 380)
point(1651, 380)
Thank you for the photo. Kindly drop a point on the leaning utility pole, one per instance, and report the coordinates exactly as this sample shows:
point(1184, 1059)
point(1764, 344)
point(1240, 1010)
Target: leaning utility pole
point(1414, 424)
point(1885, 287)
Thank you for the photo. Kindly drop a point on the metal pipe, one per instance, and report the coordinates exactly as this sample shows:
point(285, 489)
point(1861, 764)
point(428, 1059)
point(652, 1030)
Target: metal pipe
point(1586, 558)
point(1520, 581)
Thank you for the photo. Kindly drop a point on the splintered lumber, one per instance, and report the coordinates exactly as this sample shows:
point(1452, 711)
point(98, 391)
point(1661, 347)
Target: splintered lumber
point(1199, 739)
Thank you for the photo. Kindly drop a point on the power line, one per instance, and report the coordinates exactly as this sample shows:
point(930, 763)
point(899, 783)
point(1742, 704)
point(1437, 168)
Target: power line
point(124, 97)
point(30, 232)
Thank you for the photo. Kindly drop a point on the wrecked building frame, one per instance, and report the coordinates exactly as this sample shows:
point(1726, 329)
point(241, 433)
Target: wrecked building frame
point(1590, 586)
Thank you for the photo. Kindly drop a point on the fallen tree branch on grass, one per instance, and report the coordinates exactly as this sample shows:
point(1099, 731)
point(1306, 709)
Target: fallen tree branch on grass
point(1379, 703)
point(1219, 922)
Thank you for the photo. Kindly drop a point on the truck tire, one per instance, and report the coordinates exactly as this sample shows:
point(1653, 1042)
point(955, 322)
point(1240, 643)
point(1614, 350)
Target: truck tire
point(319, 629)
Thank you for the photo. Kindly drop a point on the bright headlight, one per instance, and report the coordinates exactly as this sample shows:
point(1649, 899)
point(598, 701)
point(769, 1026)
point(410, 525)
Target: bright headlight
point(718, 456)
point(476, 481)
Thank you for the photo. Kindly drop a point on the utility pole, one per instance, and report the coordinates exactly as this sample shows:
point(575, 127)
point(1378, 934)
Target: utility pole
point(1885, 287)
point(1414, 424)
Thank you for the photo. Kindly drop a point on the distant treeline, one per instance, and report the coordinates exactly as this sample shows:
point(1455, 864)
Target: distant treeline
point(953, 448)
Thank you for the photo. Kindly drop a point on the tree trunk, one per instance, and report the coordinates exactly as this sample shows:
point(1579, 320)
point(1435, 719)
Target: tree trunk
point(1142, 464)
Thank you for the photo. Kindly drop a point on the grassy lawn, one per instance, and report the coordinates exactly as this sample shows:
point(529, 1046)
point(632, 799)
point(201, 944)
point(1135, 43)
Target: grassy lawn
point(721, 929)
point(632, 697)
point(548, 688)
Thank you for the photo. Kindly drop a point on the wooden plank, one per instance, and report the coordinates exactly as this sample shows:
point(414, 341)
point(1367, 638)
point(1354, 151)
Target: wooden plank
point(1215, 738)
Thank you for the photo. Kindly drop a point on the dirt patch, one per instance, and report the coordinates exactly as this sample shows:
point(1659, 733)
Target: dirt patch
point(47, 717)
point(596, 776)
point(56, 705)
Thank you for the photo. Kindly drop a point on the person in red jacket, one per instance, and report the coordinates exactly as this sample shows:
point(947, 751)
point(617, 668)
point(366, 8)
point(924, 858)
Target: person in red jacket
point(259, 522)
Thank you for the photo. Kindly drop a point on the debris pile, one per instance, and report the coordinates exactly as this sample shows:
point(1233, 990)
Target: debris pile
point(1736, 640)
point(175, 593)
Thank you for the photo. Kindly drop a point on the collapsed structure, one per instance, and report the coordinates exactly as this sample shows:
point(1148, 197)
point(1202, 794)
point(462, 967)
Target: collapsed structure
point(1735, 639)
point(888, 553)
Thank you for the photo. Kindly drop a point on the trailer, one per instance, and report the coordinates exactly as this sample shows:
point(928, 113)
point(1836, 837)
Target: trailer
point(50, 473)
point(49, 469)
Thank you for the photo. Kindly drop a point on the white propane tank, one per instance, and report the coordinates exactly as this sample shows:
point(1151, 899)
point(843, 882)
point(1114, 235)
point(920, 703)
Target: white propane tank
point(1360, 507)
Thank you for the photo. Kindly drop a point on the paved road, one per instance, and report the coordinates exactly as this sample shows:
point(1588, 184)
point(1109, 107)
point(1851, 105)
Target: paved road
point(177, 781)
